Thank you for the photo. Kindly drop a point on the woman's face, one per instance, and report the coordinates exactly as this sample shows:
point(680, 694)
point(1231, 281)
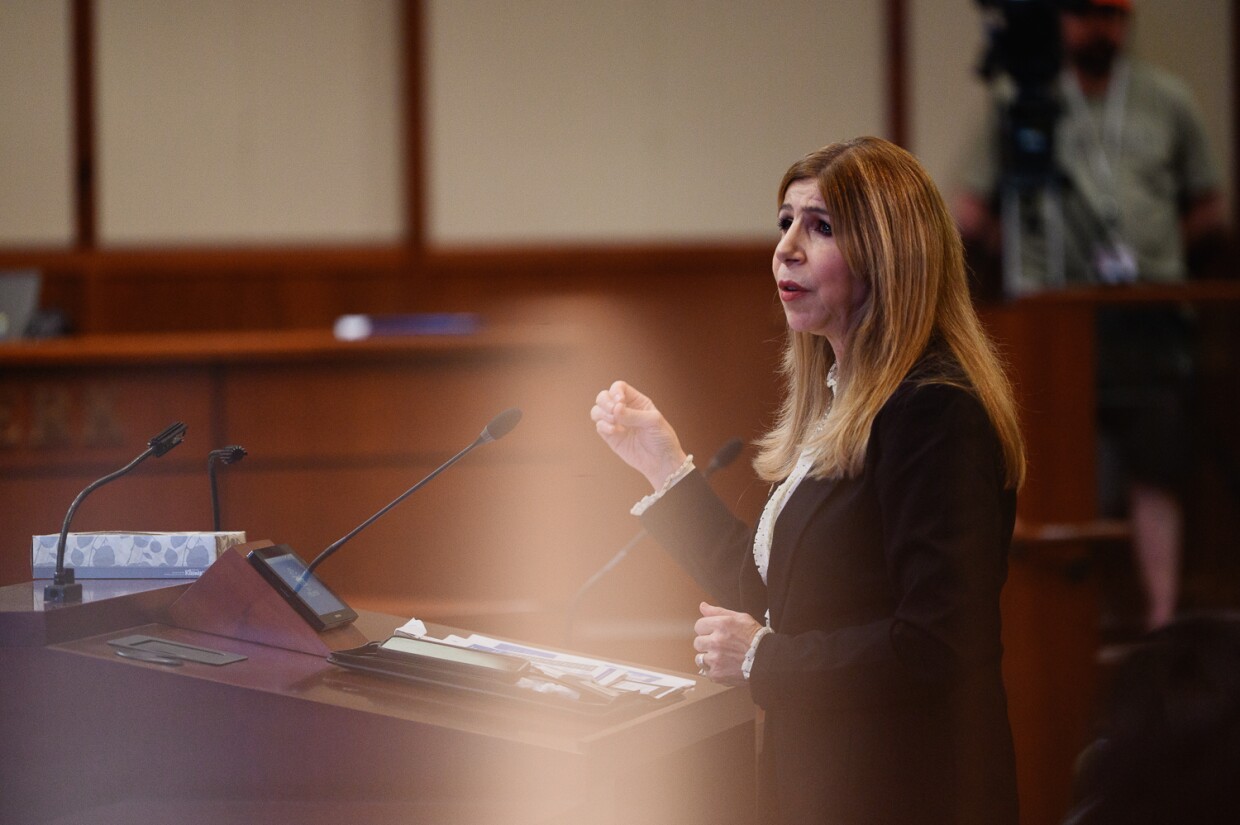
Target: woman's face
point(819, 293)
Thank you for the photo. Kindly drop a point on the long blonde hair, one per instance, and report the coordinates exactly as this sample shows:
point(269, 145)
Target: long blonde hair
point(896, 234)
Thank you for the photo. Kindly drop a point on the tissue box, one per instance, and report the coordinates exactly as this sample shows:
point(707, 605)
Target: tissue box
point(124, 555)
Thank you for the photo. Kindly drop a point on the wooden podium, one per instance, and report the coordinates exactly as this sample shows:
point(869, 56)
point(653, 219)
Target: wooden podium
point(283, 736)
point(231, 599)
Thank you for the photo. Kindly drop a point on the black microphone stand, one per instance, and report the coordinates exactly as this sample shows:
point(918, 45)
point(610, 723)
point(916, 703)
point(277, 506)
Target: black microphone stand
point(724, 456)
point(228, 455)
point(64, 588)
point(499, 427)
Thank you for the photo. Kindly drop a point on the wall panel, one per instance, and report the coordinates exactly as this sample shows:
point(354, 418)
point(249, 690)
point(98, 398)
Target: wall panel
point(237, 122)
point(36, 188)
point(557, 121)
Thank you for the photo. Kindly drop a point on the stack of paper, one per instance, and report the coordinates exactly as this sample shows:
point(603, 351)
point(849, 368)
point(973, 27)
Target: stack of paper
point(592, 675)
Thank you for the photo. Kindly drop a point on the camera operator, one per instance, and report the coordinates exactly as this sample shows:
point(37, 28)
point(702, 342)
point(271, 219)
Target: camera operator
point(1130, 193)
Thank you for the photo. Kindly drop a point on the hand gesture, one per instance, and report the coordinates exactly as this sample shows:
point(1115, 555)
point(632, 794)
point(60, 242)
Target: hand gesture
point(637, 432)
point(723, 639)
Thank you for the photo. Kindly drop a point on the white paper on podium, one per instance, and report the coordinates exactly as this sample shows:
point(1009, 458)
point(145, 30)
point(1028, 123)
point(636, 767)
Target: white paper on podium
point(557, 665)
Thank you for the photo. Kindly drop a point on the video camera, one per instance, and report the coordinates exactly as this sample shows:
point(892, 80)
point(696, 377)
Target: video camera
point(1023, 40)
point(1023, 43)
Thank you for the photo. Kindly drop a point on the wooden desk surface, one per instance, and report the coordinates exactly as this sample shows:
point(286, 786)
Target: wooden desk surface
point(1195, 292)
point(109, 606)
point(27, 621)
point(713, 709)
point(285, 345)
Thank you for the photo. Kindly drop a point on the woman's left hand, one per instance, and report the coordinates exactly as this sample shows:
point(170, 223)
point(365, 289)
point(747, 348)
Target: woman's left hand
point(723, 639)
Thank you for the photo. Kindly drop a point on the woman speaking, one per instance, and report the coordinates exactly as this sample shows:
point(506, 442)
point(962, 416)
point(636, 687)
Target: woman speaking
point(863, 609)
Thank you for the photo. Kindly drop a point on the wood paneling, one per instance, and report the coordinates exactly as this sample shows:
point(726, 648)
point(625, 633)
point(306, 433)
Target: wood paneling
point(1050, 618)
point(335, 431)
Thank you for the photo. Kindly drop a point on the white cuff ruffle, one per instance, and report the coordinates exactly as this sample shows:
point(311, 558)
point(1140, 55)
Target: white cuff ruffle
point(646, 502)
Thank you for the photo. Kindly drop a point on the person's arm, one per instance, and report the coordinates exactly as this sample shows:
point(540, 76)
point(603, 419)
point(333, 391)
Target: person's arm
point(982, 236)
point(698, 530)
point(977, 221)
point(687, 518)
point(1204, 229)
point(975, 209)
point(946, 525)
point(1202, 220)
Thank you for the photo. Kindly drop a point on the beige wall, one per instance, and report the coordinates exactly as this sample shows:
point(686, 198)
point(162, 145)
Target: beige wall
point(557, 120)
point(249, 120)
point(546, 121)
point(945, 98)
point(36, 195)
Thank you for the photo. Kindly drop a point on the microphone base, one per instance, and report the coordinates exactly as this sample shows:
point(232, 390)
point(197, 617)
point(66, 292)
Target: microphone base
point(63, 593)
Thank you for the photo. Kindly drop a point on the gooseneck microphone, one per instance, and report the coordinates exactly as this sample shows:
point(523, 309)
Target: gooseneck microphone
point(63, 587)
point(724, 456)
point(229, 455)
point(499, 427)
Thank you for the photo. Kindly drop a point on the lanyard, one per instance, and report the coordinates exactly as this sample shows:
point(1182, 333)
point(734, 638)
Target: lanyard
point(1106, 139)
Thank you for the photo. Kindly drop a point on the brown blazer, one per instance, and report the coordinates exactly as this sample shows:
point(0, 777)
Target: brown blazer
point(881, 683)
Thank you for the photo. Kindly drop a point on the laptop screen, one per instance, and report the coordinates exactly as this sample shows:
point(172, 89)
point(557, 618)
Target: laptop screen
point(19, 298)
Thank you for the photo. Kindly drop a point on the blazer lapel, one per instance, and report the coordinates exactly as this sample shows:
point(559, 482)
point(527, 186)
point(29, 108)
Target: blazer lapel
point(810, 496)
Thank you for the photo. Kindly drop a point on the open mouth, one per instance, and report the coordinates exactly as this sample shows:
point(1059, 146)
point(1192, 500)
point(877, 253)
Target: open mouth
point(791, 286)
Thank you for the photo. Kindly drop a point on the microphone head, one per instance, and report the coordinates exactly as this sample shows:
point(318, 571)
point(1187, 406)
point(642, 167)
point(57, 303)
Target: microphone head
point(230, 454)
point(725, 455)
point(168, 439)
point(501, 425)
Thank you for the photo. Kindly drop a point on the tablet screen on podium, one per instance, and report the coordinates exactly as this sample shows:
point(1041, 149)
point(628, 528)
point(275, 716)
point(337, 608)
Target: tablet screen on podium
point(286, 572)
